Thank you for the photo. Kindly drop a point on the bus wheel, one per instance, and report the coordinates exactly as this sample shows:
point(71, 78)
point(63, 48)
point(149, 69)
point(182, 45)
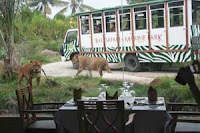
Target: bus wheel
point(131, 63)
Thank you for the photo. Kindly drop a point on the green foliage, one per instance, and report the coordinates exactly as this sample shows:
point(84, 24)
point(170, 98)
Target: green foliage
point(2, 53)
point(167, 88)
point(60, 16)
point(35, 33)
point(173, 91)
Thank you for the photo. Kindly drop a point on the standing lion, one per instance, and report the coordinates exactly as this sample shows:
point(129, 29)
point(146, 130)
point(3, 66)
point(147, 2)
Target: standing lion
point(90, 63)
point(30, 71)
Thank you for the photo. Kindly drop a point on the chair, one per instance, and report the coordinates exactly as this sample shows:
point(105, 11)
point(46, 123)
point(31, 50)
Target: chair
point(101, 116)
point(28, 110)
point(115, 96)
point(185, 117)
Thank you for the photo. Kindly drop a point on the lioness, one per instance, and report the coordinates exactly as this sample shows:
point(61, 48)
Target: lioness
point(90, 63)
point(30, 71)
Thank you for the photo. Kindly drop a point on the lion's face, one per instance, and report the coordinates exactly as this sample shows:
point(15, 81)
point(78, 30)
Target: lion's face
point(75, 60)
point(36, 66)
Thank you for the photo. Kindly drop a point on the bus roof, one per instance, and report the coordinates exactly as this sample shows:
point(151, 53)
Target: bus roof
point(126, 6)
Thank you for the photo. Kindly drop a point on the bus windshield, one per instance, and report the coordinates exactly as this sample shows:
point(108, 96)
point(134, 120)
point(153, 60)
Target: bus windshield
point(196, 12)
point(71, 36)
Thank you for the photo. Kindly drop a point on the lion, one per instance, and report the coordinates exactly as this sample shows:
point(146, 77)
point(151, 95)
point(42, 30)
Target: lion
point(30, 71)
point(90, 63)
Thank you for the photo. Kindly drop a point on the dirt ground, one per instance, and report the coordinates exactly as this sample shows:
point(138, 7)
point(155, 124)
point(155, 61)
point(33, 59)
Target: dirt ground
point(65, 69)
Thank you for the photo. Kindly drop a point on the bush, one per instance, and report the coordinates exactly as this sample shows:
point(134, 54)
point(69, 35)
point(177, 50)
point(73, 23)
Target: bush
point(35, 33)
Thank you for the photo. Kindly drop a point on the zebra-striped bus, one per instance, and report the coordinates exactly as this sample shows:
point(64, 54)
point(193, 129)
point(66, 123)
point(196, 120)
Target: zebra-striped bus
point(153, 32)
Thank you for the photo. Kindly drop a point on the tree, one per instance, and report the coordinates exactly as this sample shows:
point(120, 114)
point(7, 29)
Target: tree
point(44, 5)
point(8, 11)
point(76, 6)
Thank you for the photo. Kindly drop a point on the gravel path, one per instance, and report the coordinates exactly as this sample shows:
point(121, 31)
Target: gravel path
point(65, 69)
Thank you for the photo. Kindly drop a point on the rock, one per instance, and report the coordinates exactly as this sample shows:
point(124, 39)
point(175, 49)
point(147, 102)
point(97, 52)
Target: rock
point(11, 105)
point(49, 52)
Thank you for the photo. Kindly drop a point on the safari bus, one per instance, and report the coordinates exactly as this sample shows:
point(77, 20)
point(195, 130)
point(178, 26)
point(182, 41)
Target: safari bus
point(155, 32)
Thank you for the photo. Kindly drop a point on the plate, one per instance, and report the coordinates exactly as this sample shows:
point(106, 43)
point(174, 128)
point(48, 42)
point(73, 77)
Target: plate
point(69, 103)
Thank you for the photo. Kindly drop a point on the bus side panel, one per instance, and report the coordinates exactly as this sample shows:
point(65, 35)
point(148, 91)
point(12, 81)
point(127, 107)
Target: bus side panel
point(165, 57)
point(111, 58)
point(98, 43)
point(86, 43)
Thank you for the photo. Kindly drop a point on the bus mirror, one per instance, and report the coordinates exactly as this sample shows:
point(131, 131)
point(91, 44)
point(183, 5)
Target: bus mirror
point(71, 21)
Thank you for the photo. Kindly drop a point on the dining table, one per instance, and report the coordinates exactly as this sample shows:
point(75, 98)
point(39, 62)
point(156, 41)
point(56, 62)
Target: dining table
point(149, 117)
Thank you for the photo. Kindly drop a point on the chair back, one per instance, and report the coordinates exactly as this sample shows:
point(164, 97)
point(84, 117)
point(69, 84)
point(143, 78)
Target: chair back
point(77, 94)
point(25, 102)
point(115, 96)
point(101, 116)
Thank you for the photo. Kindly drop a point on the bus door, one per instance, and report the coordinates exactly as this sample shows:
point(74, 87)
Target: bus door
point(97, 32)
point(177, 26)
point(70, 44)
point(195, 12)
point(85, 33)
point(110, 31)
point(141, 30)
point(125, 33)
point(158, 28)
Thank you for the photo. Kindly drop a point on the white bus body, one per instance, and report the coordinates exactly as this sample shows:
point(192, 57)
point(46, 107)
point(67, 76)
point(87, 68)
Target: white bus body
point(151, 32)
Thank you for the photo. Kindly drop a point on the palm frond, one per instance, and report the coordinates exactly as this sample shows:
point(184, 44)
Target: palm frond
point(48, 9)
point(40, 8)
point(63, 10)
point(87, 7)
point(34, 3)
point(81, 9)
point(59, 3)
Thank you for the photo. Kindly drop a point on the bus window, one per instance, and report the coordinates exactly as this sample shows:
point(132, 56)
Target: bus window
point(110, 21)
point(124, 19)
point(97, 23)
point(140, 18)
point(196, 12)
point(157, 16)
point(85, 24)
point(176, 13)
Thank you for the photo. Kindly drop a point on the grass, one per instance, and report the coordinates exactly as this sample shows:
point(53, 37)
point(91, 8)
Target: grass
point(62, 92)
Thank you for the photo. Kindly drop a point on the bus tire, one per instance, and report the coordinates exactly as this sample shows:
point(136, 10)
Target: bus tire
point(131, 63)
